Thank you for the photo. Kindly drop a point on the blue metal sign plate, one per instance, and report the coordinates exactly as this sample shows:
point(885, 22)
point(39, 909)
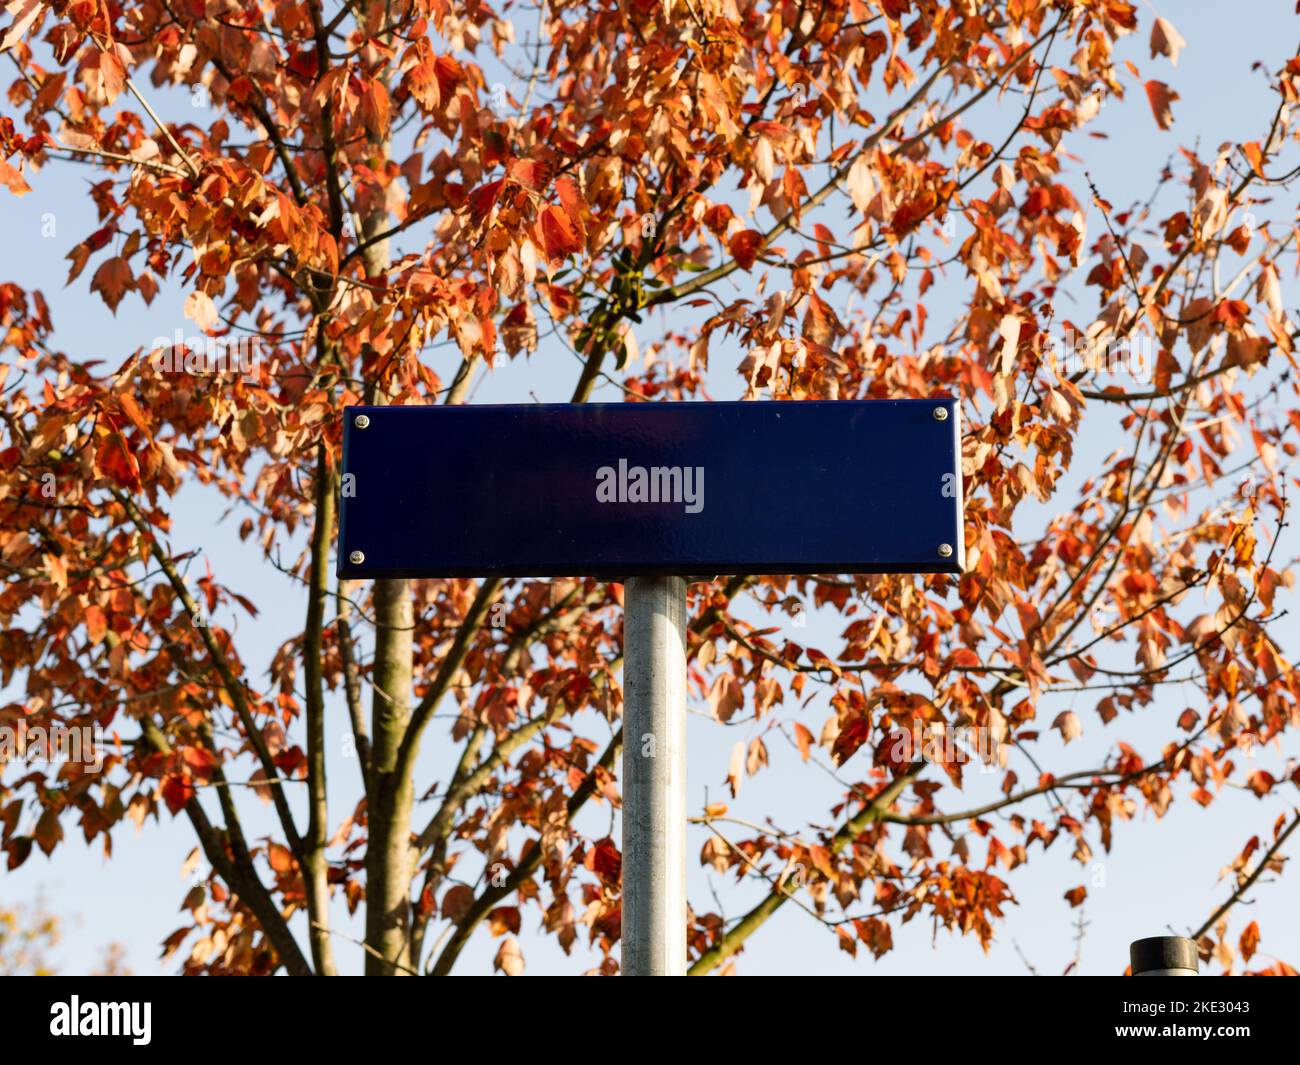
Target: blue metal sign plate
point(635, 489)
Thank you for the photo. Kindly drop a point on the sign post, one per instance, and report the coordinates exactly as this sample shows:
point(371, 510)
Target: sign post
point(654, 777)
point(650, 494)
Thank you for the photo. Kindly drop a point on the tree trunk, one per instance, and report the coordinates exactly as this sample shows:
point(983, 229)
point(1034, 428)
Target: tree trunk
point(315, 864)
point(388, 847)
point(388, 850)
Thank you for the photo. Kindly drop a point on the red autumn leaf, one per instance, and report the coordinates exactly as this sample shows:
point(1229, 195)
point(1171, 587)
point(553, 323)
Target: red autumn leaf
point(851, 737)
point(606, 862)
point(449, 74)
point(242, 89)
point(290, 759)
point(504, 919)
point(99, 238)
point(19, 849)
point(48, 831)
point(912, 212)
point(876, 934)
point(115, 461)
point(177, 791)
point(773, 131)
point(484, 198)
point(821, 660)
point(718, 217)
point(457, 901)
point(1261, 782)
point(200, 760)
point(745, 247)
point(1232, 313)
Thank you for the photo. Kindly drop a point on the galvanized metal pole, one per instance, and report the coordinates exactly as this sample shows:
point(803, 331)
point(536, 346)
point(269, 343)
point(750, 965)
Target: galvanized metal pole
point(654, 777)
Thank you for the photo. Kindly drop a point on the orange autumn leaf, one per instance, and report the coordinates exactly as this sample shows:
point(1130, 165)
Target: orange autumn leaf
point(1249, 942)
point(529, 173)
point(113, 280)
point(13, 180)
point(96, 623)
point(1161, 98)
point(280, 858)
point(570, 200)
point(803, 740)
point(1255, 155)
point(559, 237)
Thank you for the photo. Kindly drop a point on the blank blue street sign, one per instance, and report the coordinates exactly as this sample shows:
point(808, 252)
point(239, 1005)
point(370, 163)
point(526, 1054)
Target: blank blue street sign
point(639, 489)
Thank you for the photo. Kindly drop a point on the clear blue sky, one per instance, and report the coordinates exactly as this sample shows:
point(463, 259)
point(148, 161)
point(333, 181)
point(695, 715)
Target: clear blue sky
point(1158, 874)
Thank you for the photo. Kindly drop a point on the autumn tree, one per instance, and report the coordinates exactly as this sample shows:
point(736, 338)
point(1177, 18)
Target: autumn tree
point(30, 933)
point(639, 190)
point(27, 934)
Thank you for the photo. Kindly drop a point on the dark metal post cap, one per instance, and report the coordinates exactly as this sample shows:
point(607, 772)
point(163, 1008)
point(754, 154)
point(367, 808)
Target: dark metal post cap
point(1160, 953)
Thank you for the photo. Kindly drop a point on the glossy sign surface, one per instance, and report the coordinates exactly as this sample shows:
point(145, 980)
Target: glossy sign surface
point(631, 489)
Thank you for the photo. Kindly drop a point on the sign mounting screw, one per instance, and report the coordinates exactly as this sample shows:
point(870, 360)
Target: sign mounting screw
point(940, 414)
point(945, 550)
point(358, 557)
point(363, 420)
